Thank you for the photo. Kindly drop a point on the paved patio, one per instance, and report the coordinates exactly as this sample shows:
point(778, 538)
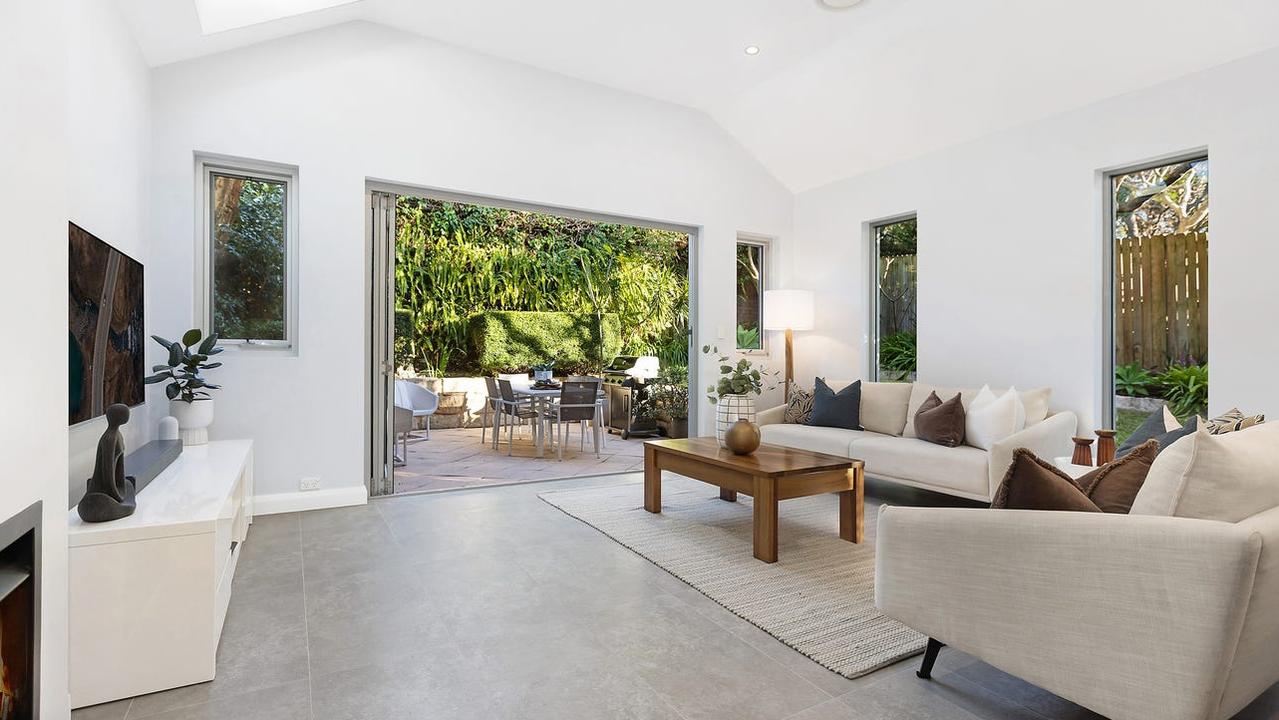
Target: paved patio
point(454, 459)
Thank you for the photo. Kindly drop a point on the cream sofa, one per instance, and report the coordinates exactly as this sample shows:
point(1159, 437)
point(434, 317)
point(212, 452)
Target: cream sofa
point(890, 450)
point(1169, 612)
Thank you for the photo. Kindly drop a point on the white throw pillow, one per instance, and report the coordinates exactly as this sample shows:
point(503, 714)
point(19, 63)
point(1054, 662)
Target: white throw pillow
point(1226, 477)
point(992, 418)
point(1036, 403)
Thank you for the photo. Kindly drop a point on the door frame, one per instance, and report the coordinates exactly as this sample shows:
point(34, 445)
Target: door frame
point(379, 357)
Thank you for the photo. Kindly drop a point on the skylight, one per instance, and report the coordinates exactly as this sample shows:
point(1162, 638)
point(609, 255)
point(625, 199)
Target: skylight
point(219, 15)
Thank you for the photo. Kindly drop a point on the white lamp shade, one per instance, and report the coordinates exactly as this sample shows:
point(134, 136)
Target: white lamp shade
point(788, 310)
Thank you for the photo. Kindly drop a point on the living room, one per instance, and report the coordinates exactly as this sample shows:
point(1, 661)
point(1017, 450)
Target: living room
point(244, 568)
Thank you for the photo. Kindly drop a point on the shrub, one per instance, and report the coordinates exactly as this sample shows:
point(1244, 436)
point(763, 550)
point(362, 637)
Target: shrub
point(1185, 387)
point(1134, 380)
point(514, 341)
point(747, 338)
point(897, 355)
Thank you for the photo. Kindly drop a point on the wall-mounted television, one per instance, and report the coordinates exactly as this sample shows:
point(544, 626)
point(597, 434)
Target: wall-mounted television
point(107, 363)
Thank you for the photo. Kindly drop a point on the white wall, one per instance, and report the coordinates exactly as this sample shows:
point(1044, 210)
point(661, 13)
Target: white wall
point(108, 126)
point(1011, 237)
point(361, 101)
point(33, 293)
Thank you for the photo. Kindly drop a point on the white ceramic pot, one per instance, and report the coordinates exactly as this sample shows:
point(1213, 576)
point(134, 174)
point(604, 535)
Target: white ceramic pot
point(193, 419)
point(729, 410)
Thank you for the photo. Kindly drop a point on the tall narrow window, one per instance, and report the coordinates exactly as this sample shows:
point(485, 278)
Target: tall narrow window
point(894, 263)
point(751, 260)
point(1159, 291)
point(249, 248)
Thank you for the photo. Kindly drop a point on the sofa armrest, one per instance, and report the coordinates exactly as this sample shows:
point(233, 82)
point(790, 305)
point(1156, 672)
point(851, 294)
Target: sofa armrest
point(1130, 616)
point(771, 416)
point(1048, 438)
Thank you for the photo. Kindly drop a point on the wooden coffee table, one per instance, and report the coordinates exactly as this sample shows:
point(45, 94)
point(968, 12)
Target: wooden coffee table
point(769, 475)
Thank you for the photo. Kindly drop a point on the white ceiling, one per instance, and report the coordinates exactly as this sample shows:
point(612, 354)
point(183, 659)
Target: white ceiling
point(833, 93)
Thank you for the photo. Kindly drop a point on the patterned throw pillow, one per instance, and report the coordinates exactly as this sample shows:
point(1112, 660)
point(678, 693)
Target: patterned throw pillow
point(800, 407)
point(1233, 420)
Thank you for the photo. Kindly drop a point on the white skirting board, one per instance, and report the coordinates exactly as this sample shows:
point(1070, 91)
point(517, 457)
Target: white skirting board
point(276, 503)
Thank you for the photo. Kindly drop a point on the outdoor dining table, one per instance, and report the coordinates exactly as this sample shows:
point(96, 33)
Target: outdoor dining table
point(541, 401)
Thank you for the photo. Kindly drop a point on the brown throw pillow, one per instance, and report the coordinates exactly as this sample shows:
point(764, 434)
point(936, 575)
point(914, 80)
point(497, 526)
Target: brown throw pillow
point(1032, 484)
point(940, 423)
point(1114, 486)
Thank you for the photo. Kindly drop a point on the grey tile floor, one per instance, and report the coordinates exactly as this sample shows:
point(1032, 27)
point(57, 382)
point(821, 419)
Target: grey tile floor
point(489, 603)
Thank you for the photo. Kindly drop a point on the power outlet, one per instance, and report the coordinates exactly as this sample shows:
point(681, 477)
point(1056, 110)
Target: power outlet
point(309, 483)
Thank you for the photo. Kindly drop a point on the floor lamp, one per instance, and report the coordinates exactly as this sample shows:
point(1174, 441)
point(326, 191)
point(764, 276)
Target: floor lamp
point(788, 310)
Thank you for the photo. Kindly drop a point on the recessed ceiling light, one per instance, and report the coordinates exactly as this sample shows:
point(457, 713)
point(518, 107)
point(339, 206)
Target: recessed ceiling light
point(839, 4)
point(752, 49)
point(219, 15)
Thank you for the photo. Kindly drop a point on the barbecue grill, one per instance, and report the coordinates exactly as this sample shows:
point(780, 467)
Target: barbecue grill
point(625, 387)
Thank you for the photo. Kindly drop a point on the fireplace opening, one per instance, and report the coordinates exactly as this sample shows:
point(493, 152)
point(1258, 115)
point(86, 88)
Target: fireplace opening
point(20, 616)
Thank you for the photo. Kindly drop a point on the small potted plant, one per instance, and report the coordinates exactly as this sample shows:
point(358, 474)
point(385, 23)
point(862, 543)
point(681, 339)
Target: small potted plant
point(734, 395)
point(544, 371)
point(670, 398)
point(189, 400)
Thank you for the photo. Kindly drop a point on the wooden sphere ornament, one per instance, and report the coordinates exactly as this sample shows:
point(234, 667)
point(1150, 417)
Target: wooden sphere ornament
point(743, 437)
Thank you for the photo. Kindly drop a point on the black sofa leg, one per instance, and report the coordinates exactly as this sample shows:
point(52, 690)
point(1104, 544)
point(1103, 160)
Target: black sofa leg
point(925, 670)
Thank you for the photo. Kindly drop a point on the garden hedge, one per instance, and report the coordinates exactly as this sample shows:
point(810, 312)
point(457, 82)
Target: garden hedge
point(513, 341)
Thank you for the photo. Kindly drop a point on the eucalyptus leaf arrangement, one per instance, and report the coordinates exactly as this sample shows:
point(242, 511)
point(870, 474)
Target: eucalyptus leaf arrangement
point(547, 366)
point(186, 359)
point(738, 379)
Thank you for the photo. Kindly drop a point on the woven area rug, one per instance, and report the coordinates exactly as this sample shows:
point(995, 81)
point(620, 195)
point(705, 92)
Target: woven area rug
point(818, 598)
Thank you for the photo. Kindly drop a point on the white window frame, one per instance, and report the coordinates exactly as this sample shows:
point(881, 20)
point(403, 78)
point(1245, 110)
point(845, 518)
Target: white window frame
point(206, 167)
point(765, 272)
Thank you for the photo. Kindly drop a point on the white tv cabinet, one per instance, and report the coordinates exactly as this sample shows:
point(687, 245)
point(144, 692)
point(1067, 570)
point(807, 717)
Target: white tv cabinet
point(149, 592)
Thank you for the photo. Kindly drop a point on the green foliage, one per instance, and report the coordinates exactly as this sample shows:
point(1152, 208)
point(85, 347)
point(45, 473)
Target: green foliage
point(1185, 387)
point(737, 379)
point(899, 238)
point(1133, 380)
point(669, 392)
point(516, 341)
point(454, 260)
point(747, 338)
point(184, 364)
point(897, 356)
point(249, 255)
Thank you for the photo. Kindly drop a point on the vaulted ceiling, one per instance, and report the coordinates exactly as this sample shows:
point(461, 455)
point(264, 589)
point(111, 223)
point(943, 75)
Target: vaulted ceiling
point(831, 93)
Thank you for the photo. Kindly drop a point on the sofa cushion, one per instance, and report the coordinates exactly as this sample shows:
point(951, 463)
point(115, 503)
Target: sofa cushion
point(836, 409)
point(1036, 403)
point(884, 406)
point(992, 418)
point(1149, 430)
point(1214, 477)
point(800, 406)
point(1233, 420)
point(960, 468)
point(940, 423)
point(1033, 484)
point(919, 392)
point(1114, 486)
point(832, 441)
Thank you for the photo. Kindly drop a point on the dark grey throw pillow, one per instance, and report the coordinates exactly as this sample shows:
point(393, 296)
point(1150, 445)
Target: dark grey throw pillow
point(1153, 429)
point(838, 410)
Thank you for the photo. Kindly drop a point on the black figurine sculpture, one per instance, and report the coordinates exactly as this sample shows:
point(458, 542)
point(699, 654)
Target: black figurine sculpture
point(109, 495)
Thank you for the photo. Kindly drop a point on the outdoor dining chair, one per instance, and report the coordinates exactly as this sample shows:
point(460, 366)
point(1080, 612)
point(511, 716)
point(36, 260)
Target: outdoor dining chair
point(490, 408)
point(421, 401)
point(512, 411)
point(579, 403)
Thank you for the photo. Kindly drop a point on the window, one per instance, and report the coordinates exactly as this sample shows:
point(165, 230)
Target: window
point(249, 253)
point(750, 294)
point(1158, 292)
point(894, 285)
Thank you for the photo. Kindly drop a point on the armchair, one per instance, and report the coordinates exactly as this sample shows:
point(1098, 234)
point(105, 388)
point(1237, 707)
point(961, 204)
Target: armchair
point(1132, 616)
